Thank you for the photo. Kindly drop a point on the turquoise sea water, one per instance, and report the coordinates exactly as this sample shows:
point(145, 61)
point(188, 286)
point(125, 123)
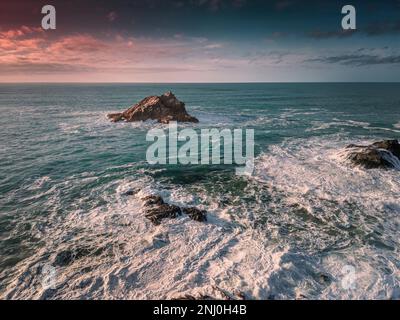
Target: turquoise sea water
point(291, 230)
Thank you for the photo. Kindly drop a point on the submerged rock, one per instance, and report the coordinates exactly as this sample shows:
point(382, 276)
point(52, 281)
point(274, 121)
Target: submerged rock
point(195, 214)
point(383, 154)
point(67, 257)
point(323, 278)
point(129, 193)
point(64, 258)
point(156, 210)
point(164, 108)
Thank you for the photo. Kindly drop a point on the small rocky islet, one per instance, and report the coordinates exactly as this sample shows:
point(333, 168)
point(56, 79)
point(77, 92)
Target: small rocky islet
point(156, 210)
point(164, 109)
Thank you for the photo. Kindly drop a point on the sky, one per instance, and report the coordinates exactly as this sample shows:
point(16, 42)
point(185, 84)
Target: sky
point(199, 41)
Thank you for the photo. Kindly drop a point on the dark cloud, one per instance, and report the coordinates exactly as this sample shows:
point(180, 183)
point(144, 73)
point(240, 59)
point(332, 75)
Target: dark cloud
point(373, 29)
point(358, 59)
point(226, 18)
point(331, 34)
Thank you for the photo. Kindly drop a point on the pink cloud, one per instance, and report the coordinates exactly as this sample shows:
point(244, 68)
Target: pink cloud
point(28, 53)
point(77, 43)
point(20, 32)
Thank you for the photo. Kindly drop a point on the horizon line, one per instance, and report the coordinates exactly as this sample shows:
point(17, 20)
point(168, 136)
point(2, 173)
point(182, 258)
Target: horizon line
point(190, 82)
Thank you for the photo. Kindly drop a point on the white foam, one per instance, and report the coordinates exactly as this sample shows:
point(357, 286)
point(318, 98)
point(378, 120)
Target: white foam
point(319, 166)
point(84, 122)
point(39, 183)
point(320, 125)
point(314, 175)
point(143, 261)
point(320, 216)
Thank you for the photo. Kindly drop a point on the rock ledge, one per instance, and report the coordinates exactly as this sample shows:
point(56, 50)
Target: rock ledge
point(383, 154)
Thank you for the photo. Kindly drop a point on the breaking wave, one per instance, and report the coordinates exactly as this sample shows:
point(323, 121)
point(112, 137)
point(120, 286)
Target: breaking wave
point(290, 231)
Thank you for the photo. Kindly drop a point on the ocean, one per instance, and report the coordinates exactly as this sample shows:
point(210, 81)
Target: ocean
point(305, 225)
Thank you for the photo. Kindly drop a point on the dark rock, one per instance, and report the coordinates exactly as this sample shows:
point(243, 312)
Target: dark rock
point(153, 200)
point(163, 108)
point(323, 278)
point(129, 193)
point(195, 214)
point(392, 146)
point(67, 257)
point(156, 210)
point(382, 154)
point(85, 283)
point(159, 212)
point(369, 158)
point(64, 258)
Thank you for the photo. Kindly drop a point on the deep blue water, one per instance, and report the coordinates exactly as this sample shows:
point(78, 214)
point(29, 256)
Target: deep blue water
point(64, 167)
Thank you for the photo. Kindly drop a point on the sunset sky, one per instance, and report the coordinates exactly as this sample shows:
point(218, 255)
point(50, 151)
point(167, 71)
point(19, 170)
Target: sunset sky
point(199, 41)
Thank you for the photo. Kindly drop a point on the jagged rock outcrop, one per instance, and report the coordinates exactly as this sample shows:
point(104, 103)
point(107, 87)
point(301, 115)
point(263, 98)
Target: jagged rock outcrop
point(156, 210)
point(164, 108)
point(383, 154)
point(156, 213)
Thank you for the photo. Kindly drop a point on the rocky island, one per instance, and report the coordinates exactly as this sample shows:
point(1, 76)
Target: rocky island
point(382, 154)
point(164, 108)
